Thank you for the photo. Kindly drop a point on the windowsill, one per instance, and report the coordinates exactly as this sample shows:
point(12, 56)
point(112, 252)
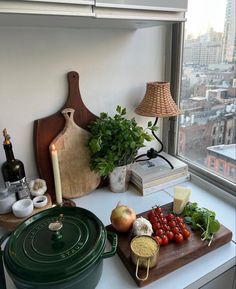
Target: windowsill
point(192, 275)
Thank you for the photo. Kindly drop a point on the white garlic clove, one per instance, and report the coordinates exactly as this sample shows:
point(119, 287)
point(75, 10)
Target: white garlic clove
point(142, 226)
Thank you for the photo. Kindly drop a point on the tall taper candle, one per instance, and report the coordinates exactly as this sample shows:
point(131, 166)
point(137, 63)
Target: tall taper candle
point(56, 173)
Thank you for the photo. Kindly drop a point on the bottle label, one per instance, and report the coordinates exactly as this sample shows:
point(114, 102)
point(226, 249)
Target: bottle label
point(16, 183)
point(19, 188)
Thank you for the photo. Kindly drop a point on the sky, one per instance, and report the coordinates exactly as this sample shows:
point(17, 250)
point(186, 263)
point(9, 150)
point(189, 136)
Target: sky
point(204, 14)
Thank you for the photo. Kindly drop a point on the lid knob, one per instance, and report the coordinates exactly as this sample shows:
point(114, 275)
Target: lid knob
point(55, 227)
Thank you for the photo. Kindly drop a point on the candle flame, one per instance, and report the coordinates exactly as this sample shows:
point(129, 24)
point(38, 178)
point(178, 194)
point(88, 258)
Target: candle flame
point(53, 147)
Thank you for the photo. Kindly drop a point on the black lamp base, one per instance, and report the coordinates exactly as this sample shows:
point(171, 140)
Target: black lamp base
point(152, 154)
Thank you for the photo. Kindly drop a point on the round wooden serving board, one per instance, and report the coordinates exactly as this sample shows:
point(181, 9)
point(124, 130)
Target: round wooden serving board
point(10, 222)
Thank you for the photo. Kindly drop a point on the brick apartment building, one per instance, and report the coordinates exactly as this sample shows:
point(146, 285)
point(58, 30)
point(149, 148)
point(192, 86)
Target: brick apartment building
point(222, 160)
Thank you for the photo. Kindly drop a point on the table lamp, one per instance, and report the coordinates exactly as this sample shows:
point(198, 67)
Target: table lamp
point(157, 102)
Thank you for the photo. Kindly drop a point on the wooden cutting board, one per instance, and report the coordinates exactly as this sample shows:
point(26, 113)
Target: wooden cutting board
point(77, 179)
point(172, 256)
point(47, 128)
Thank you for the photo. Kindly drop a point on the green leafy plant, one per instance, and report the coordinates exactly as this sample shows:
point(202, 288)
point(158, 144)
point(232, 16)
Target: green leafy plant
point(115, 141)
point(202, 218)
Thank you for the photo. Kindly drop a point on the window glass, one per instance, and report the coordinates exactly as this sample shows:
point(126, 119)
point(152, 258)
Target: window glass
point(207, 127)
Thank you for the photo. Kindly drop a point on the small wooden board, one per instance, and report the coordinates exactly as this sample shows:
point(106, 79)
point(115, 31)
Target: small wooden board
point(172, 256)
point(10, 222)
point(77, 179)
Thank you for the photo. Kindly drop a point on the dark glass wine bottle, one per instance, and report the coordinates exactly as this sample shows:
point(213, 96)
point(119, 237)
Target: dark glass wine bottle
point(12, 169)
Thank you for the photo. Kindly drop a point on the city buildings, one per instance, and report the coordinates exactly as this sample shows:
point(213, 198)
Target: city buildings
point(207, 128)
point(229, 40)
point(205, 49)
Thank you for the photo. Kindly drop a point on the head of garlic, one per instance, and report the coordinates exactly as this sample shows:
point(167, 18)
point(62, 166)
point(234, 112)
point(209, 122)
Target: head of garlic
point(37, 187)
point(142, 226)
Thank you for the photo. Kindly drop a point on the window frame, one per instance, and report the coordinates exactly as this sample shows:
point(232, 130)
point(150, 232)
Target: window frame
point(170, 125)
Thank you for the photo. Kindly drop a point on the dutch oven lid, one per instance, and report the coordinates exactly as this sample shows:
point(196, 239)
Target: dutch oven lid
point(55, 244)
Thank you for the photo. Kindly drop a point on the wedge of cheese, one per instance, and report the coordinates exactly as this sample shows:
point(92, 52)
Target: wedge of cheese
point(181, 198)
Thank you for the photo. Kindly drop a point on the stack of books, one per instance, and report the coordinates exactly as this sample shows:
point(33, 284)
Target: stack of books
point(156, 174)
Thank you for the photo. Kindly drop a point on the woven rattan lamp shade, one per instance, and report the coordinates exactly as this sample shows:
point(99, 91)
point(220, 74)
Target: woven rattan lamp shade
point(158, 101)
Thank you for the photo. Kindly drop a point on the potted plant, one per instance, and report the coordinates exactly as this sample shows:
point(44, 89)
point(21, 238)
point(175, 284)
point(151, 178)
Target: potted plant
point(114, 143)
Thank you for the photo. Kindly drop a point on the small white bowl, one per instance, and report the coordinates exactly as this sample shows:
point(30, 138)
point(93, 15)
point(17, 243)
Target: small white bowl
point(23, 208)
point(40, 201)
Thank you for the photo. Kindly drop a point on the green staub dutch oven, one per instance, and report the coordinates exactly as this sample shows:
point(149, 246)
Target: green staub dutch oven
point(62, 247)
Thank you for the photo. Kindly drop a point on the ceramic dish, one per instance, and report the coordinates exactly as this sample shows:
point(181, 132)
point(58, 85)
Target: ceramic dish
point(23, 208)
point(40, 201)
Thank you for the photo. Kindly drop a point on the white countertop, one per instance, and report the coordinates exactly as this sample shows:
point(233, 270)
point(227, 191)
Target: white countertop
point(192, 275)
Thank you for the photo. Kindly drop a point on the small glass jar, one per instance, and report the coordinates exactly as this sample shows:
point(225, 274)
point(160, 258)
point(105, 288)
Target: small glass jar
point(7, 199)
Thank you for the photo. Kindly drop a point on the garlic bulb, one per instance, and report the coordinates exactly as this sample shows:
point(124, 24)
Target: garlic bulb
point(37, 187)
point(142, 226)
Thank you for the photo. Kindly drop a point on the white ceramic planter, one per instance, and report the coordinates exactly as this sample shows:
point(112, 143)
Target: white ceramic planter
point(119, 179)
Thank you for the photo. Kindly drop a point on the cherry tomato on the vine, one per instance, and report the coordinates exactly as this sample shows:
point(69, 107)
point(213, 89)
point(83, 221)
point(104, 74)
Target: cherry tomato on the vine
point(159, 232)
point(170, 217)
point(186, 233)
point(151, 214)
point(165, 240)
point(178, 238)
point(182, 226)
point(170, 235)
point(175, 230)
point(172, 223)
point(160, 215)
point(158, 210)
point(158, 239)
point(156, 226)
point(163, 220)
point(153, 219)
point(179, 219)
point(166, 227)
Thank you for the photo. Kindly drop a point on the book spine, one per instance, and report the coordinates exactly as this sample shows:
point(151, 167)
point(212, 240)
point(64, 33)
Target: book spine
point(154, 189)
point(159, 180)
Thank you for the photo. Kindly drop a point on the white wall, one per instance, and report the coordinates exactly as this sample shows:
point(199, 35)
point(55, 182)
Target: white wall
point(114, 66)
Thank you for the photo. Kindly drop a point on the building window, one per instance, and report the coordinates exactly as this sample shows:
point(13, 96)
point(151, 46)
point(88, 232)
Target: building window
point(221, 168)
point(232, 172)
point(212, 163)
point(208, 85)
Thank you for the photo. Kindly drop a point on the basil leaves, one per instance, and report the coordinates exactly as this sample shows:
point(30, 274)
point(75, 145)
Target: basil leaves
point(201, 218)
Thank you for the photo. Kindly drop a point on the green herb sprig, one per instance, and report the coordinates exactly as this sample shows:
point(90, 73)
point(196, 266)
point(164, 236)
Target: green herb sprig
point(202, 218)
